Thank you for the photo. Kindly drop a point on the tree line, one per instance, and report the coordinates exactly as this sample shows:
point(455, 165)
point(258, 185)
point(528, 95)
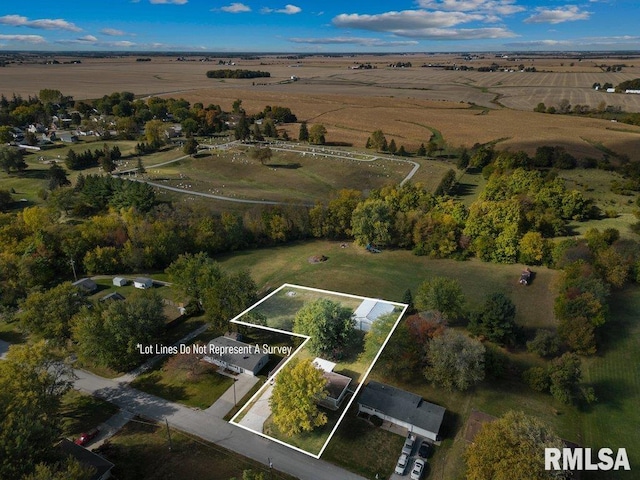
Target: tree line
point(237, 73)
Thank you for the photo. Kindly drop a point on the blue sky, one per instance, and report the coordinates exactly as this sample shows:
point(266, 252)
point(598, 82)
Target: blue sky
point(308, 27)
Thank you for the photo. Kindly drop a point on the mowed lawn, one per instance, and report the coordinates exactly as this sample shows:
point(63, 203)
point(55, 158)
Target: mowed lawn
point(286, 177)
point(177, 385)
point(389, 274)
point(140, 451)
point(614, 372)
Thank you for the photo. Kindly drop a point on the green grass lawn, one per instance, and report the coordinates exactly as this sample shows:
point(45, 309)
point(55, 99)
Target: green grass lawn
point(140, 452)
point(176, 385)
point(364, 449)
point(11, 332)
point(82, 412)
point(614, 372)
point(388, 274)
point(287, 176)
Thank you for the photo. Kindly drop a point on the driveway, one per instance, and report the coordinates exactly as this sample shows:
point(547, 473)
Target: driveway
point(229, 399)
point(110, 427)
point(204, 425)
point(259, 412)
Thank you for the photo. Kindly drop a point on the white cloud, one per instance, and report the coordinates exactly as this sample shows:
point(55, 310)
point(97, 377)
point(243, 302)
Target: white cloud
point(35, 39)
point(236, 7)
point(568, 13)
point(167, 2)
point(43, 23)
point(436, 25)
point(363, 41)
point(113, 32)
point(405, 20)
point(491, 7)
point(289, 10)
point(88, 38)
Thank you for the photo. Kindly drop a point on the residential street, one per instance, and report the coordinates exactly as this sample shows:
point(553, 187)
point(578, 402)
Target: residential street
point(205, 425)
point(210, 428)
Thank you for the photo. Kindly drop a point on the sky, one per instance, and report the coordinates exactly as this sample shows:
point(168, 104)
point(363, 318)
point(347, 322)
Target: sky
point(319, 27)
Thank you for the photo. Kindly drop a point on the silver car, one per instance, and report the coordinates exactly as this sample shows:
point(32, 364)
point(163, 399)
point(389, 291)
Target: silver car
point(401, 466)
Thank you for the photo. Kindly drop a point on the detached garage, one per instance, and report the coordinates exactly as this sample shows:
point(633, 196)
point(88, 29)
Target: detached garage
point(368, 311)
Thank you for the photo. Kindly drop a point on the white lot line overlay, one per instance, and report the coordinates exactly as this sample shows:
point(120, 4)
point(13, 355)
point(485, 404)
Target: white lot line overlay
point(306, 337)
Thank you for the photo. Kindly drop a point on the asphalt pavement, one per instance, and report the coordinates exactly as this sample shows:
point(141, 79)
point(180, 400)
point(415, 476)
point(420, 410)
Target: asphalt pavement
point(199, 423)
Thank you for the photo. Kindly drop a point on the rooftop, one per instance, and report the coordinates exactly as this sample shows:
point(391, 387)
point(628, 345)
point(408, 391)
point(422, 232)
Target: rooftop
point(402, 405)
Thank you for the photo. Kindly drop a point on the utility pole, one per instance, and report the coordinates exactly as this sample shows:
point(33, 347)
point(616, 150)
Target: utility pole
point(73, 266)
point(235, 404)
point(168, 434)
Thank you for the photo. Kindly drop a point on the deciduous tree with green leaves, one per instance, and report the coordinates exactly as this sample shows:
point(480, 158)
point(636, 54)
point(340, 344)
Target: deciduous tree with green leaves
point(33, 378)
point(455, 361)
point(48, 314)
point(444, 295)
point(329, 325)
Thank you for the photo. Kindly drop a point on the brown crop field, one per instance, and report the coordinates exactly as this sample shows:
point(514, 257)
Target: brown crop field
point(408, 104)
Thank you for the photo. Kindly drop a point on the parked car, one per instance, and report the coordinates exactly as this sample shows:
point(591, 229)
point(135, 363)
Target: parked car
point(425, 449)
point(418, 468)
point(401, 466)
point(85, 438)
point(408, 444)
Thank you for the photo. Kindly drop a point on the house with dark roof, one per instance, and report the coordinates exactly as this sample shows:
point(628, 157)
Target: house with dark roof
point(86, 285)
point(337, 385)
point(87, 458)
point(115, 296)
point(402, 408)
point(236, 356)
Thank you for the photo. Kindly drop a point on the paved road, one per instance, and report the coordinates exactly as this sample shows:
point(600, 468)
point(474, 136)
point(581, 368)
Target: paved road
point(210, 428)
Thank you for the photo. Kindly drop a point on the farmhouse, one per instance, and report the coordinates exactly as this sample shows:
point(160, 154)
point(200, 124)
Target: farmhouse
point(337, 384)
point(86, 458)
point(119, 281)
point(368, 311)
point(86, 285)
point(236, 356)
point(143, 283)
point(402, 408)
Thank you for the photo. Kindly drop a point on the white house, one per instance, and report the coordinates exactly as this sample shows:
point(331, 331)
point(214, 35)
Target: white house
point(368, 311)
point(143, 283)
point(236, 356)
point(119, 281)
point(402, 408)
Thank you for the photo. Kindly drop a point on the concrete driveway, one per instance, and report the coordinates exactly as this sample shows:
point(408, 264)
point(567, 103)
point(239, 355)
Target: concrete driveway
point(224, 404)
point(206, 426)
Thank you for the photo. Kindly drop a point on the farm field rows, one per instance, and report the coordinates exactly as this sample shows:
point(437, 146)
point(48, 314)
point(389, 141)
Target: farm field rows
point(353, 103)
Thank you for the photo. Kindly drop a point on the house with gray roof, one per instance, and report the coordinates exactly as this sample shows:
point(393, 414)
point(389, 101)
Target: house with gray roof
point(101, 467)
point(236, 356)
point(86, 285)
point(402, 408)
